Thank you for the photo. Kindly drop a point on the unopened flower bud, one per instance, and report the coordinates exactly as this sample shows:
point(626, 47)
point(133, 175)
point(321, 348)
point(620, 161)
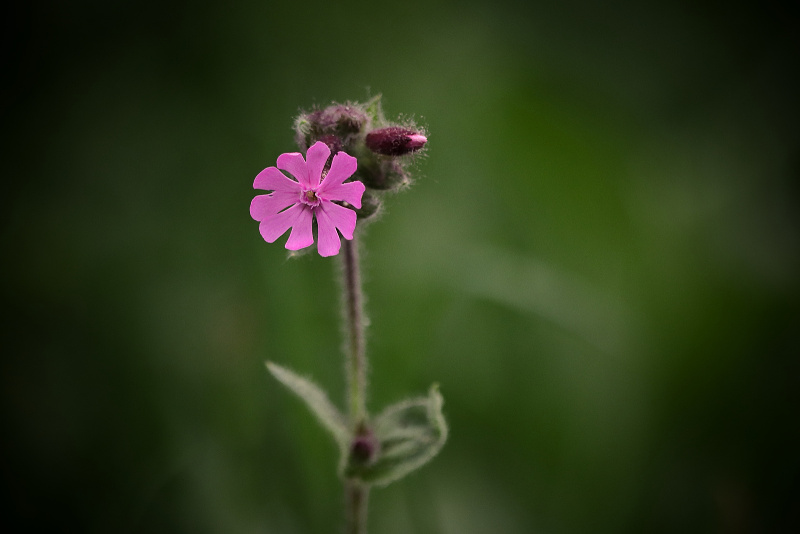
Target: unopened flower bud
point(339, 119)
point(370, 205)
point(364, 448)
point(333, 142)
point(383, 174)
point(344, 121)
point(395, 141)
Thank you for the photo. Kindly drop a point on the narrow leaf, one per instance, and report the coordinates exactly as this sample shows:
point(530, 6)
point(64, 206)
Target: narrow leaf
point(316, 400)
point(375, 110)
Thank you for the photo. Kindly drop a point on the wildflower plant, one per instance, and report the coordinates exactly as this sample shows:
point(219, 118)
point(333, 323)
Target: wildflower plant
point(353, 158)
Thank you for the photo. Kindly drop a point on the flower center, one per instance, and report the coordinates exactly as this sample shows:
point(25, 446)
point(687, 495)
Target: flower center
point(309, 198)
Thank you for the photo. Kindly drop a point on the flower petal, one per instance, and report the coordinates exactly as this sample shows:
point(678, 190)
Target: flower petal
point(264, 206)
point(342, 168)
point(342, 218)
point(316, 157)
point(351, 192)
point(273, 227)
point(271, 179)
point(295, 164)
point(301, 236)
point(328, 242)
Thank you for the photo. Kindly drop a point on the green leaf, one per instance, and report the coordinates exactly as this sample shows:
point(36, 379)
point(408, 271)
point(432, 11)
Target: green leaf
point(374, 110)
point(410, 433)
point(317, 401)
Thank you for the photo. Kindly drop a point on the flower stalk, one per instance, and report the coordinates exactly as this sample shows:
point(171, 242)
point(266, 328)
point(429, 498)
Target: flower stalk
point(356, 370)
point(357, 495)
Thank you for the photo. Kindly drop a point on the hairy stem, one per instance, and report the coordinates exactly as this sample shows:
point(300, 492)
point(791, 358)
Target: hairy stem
point(354, 327)
point(356, 493)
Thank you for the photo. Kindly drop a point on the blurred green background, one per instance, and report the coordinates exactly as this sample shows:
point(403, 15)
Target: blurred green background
point(598, 263)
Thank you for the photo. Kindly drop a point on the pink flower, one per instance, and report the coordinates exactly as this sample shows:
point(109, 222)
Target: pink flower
point(307, 199)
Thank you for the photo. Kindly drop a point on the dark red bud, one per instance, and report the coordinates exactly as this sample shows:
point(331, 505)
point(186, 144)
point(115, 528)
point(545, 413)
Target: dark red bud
point(364, 448)
point(333, 142)
point(395, 141)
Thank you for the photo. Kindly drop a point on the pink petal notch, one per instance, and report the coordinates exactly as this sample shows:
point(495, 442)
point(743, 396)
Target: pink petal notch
point(295, 204)
point(342, 218)
point(271, 179)
point(342, 168)
point(294, 163)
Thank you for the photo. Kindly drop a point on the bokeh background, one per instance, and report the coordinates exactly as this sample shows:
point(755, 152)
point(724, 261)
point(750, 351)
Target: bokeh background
point(598, 263)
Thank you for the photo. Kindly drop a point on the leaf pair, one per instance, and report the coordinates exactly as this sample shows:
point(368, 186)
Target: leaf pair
point(408, 433)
